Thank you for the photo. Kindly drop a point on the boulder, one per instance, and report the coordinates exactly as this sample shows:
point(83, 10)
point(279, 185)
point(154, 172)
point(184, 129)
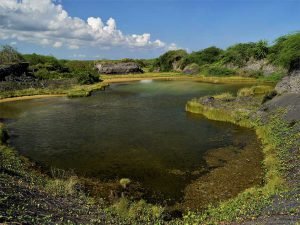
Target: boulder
point(118, 68)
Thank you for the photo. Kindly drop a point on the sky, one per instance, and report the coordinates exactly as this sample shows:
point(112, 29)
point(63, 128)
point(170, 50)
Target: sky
point(113, 29)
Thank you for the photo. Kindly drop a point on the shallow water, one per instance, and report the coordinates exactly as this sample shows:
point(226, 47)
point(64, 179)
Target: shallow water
point(136, 130)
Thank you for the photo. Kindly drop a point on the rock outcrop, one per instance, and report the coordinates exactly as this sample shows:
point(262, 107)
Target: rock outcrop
point(191, 69)
point(290, 83)
point(118, 68)
point(262, 66)
point(13, 70)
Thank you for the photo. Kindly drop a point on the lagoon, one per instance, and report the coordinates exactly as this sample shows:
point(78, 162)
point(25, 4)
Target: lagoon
point(136, 130)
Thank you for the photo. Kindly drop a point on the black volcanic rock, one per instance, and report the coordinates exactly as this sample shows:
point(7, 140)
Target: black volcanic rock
point(16, 70)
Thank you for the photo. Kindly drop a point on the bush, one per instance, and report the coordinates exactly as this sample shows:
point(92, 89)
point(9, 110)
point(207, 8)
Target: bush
point(10, 55)
point(218, 71)
point(87, 78)
point(239, 54)
point(285, 50)
point(165, 61)
point(205, 56)
point(42, 61)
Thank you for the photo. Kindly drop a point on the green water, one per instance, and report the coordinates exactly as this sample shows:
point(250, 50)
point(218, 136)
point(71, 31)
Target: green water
point(135, 130)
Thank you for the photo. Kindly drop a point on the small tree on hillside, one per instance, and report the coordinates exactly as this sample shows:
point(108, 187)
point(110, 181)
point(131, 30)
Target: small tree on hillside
point(261, 50)
point(9, 55)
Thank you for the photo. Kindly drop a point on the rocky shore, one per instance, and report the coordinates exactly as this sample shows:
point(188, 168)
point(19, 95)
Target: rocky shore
point(276, 120)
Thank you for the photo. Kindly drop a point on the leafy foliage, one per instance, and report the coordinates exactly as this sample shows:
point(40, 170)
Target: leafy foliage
point(10, 55)
point(165, 61)
point(286, 50)
point(206, 56)
point(87, 78)
point(239, 54)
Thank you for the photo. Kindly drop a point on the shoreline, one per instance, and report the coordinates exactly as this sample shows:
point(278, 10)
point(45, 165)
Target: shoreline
point(132, 78)
point(255, 201)
point(197, 78)
point(29, 97)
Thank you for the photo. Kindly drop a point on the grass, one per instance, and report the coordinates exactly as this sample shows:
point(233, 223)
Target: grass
point(224, 96)
point(180, 76)
point(277, 138)
point(274, 77)
point(138, 212)
point(255, 90)
point(74, 91)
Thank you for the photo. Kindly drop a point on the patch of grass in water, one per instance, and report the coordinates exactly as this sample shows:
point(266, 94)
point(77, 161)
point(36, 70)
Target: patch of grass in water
point(255, 90)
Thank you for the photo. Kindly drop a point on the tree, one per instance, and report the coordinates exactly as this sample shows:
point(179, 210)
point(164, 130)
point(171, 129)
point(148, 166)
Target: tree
point(205, 56)
point(165, 61)
point(286, 50)
point(239, 54)
point(261, 50)
point(10, 55)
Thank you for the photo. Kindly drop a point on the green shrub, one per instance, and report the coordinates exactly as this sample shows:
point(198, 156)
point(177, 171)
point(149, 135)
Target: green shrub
point(87, 78)
point(239, 54)
point(165, 61)
point(285, 50)
point(10, 55)
point(206, 56)
point(219, 71)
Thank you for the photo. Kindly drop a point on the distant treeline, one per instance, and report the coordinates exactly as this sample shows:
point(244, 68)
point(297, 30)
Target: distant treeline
point(282, 53)
point(210, 61)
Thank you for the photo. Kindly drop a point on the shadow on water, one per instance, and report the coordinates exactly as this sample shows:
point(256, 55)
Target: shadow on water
point(135, 130)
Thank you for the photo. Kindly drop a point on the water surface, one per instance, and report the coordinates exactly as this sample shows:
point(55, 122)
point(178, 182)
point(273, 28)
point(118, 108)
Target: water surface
point(136, 130)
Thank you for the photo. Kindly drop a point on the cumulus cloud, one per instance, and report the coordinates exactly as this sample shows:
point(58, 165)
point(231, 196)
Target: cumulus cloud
point(46, 22)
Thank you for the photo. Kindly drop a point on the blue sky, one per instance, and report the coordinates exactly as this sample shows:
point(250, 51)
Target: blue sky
point(187, 24)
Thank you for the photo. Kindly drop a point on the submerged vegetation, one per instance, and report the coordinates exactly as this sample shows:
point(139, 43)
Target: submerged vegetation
point(29, 195)
point(277, 136)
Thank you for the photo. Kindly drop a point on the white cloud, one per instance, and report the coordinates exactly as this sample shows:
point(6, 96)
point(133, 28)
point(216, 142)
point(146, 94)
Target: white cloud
point(57, 44)
point(172, 46)
point(47, 23)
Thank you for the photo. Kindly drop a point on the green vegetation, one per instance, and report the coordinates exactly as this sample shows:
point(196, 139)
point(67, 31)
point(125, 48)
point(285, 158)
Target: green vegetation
point(125, 182)
point(206, 56)
point(9, 55)
point(169, 60)
point(286, 50)
point(213, 61)
point(255, 90)
point(216, 70)
point(277, 137)
point(224, 96)
point(60, 198)
point(73, 91)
